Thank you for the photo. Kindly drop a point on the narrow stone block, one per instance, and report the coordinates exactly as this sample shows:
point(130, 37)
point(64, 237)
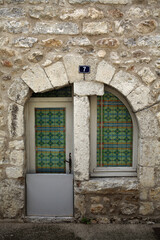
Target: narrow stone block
point(88, 88)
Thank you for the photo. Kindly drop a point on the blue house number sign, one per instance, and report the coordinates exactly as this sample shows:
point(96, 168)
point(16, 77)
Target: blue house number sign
point(84, 69)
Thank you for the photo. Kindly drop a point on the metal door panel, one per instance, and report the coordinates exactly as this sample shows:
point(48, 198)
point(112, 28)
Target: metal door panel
point(49, 194)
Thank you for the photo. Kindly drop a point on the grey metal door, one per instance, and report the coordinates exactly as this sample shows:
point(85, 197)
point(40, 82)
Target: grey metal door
point(49, 179)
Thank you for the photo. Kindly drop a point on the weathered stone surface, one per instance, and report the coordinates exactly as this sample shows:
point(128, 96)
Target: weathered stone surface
point(6, 63)
point(36, 79)
point(124, 82)
point(147, 26)
point(95, 13)
point(16, 144)
point(128, 209)
point(146, 208)
point(104, 185)
point(138, 53)
point(154, 194)
point(147, 178)
point(148, 125)
point(17, 158)
point(76, 14)
point(92, 62)
point(100, 1)
point(95, 199)
point(1, 1)
point(56, 28)
point(88, 88)
point(42, 12)
point(11, 12)
point(14, 172)
point(153, 41)
point(143, 194)
point(15, 1)
point(47, 63)
point(25, 42)
point(105, 72)
point(139, 97)
point(95, 28)
point(51, 42)
point(80, 41)
point(7, 52)
point(81, 138)
point(15, 120)
point(79, 203)
point(12, 198)
point(108, 42)
point(38, 1)
point(96, 208)
point(157, 63)
point(158, 117)
point(116, 13)
point(72, 62)
point(17, 27)
point(4, 41)
point(130, 42)
point(36, 56)
point(57, 74)
point(119, 29)
point(147, 75)
point(18, 91)
point(149, 152)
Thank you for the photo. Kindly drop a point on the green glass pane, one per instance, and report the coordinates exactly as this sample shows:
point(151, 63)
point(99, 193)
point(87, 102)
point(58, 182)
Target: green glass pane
point(50, 140)
point(114, 132)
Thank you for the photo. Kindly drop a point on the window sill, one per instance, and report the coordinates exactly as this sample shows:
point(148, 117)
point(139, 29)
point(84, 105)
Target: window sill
point(101, 185)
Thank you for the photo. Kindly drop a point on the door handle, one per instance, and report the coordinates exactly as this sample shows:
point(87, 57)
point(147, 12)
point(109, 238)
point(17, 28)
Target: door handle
point(70, 163)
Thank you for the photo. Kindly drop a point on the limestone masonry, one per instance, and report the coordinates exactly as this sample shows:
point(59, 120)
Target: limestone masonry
point(42, 44)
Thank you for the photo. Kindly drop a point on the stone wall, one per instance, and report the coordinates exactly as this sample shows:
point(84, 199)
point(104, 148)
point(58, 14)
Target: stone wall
point(42, 43)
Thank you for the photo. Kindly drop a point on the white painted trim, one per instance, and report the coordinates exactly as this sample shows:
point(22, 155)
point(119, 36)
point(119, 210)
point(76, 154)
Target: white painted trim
point(30, 127)
point(111, 171)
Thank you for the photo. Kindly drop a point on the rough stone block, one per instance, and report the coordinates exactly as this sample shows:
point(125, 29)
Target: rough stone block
point(79, 204)
point(150, 152)
point(152, 41)
point(146, 208)
point(14, 172)
point(147, 75)
point(17, 158)
point(96, 208)
point(100, 1)
point(36, 79)
point(17, 27)
point(147, 26)
point(105, 72)
point(124, 82)
point(72, 62)
point(139, 98)
point(128, 209)
point(57, 74)
point(148, 124)
point(18, 91)
point(15, 120)
point(88, 88)
point(147, 178)
point(11, 12)
point(56, 28)
point(108, 42)
point(16, 144)
point(81, 138)
point(154, 194)
point(12, 198)
point(92, 62)
point(79, 41)
point(95, 28)
point(25, 42)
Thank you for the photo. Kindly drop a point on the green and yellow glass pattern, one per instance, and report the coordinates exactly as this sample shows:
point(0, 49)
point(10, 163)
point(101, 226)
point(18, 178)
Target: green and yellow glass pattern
point(114, 132)
point(50, 140)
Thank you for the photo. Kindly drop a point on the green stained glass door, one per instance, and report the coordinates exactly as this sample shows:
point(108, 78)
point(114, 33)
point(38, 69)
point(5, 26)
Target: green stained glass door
point(50, 136)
